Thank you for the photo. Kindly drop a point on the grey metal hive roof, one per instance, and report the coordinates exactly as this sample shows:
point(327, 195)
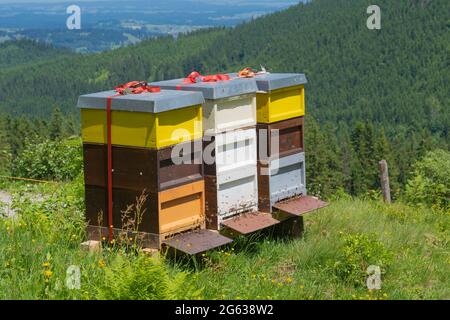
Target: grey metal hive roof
point(273, 81)
point(165, 100)
point(213, 90)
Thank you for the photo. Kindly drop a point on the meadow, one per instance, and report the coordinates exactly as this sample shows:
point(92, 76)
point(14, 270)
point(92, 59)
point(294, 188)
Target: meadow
point(409, 244)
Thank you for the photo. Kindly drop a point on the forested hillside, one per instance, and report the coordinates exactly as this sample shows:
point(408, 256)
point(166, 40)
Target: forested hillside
point(371, 94)
point(13, 53)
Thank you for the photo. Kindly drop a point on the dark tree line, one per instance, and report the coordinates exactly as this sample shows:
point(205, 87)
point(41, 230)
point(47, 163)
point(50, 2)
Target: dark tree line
point(371, 95)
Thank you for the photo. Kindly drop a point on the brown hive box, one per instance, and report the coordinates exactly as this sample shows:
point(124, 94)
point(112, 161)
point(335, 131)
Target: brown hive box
point(175, 192)
point(291, 138)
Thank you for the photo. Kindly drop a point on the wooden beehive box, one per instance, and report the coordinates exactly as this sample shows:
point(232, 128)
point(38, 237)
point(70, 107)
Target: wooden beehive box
point(281, 138)
point(167, 212)
point(140, 169)
point(148, 120)
point(280, 96)
point(148, 129)
point(280, 179)
point(231, 180)
point(229, 104)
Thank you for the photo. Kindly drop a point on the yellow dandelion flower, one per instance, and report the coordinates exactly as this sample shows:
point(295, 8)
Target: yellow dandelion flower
point(46, 264)
point(101, 263)
point(48, 273)
point(289, 280)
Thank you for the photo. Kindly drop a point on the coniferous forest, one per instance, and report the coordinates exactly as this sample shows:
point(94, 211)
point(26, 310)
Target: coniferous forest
point(372, 94)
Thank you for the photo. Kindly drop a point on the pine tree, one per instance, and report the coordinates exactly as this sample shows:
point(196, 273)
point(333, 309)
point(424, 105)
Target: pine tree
point(5, 148)
point(323, 170)
point(56, 125)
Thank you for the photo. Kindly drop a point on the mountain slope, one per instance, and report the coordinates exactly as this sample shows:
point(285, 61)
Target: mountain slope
point(397, 76)
point(13, 53)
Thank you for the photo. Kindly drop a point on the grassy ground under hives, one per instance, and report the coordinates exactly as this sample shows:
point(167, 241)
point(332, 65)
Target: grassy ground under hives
point(410, 245)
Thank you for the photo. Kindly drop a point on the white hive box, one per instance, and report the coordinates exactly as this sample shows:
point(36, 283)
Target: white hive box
point(280, 179)
point(229, 104)
point(231, 182)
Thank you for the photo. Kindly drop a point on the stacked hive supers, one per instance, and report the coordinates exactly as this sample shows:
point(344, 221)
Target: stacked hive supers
point(230, 145)
point(144, 130)
point(281, 110)
point(245, 167)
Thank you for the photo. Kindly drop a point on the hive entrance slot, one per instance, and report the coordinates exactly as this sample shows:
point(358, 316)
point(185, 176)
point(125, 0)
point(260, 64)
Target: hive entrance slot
point(196, 242)
point(300, 205)
point(250, 222)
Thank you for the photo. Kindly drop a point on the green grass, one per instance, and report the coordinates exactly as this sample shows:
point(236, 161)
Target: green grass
point(329, 262)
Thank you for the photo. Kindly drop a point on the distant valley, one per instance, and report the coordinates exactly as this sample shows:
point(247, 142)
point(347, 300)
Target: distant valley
point(107, 25)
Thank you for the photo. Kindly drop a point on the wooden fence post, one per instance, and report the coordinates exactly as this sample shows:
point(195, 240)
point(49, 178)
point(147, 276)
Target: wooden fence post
point(384, 179)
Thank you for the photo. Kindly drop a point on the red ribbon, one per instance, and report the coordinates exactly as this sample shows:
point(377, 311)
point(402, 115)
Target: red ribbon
point(195, 76)
point(134, 87)
point(247, 73)
point(110, 182)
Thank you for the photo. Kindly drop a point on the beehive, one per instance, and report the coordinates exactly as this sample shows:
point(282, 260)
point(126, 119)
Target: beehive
point(229, 120)
point(280, 96)
point(280, 179)
point(149, 131)
point(229, 104)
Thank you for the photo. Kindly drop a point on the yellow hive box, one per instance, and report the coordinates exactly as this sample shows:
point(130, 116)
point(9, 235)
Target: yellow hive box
point(148, 120)
point(280, 97)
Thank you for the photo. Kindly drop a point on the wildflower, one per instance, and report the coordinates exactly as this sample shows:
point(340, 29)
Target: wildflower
point(46, 264)
point(48, 273)
point(101, 263)
point(289, 280)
